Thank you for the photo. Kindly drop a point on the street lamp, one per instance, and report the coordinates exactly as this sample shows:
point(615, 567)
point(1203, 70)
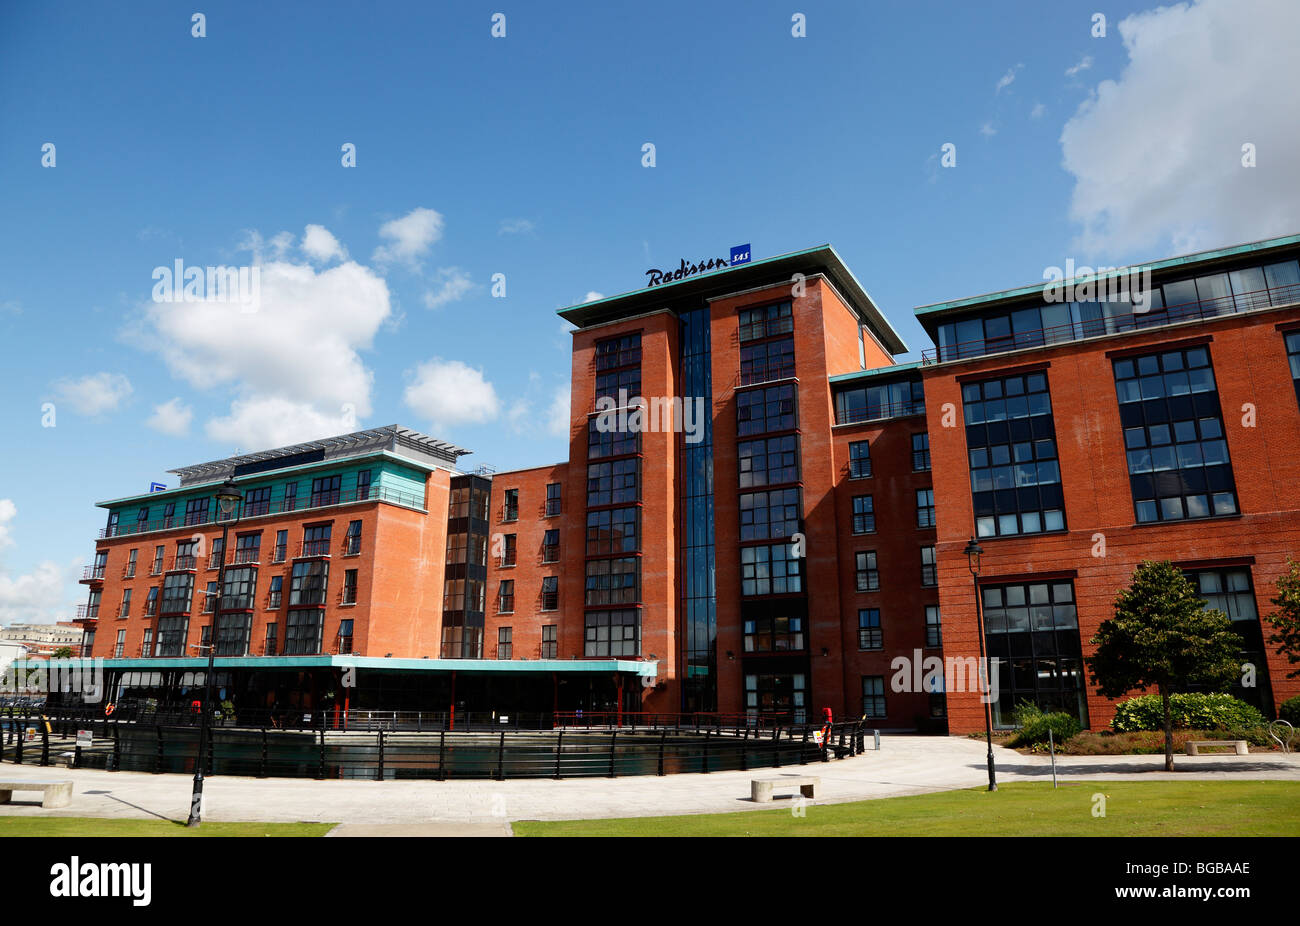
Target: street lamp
point(228, 499)
point(973, 551)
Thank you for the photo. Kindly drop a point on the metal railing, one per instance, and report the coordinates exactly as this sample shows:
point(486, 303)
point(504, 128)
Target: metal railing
point(92, 572)
point(879, 411)
point(87, 612)
point(1199, 309)
point(314, 548)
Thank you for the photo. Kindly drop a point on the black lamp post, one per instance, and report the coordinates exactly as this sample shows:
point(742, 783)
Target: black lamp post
point(973, 551)
point(228, 499)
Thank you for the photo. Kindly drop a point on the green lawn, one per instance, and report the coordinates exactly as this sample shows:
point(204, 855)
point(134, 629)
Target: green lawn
point(98, 826)
point(1133, 808)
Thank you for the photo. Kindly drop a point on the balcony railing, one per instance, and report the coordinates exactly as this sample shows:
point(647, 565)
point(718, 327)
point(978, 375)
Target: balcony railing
point(91, 573)
point(314, 548)
point(87, 612)
point(278, 506)
point(768, 371)
point(1199, 309)
point(181, 563)
point(877, 411)
point(247, 556)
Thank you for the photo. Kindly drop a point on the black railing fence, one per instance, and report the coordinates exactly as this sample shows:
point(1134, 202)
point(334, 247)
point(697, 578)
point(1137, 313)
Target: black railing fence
point(392, 745)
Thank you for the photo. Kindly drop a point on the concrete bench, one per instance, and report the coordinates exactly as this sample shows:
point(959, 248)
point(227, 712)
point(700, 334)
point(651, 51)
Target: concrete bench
point(56, 793)
point(760, 789)
point(1238, 746)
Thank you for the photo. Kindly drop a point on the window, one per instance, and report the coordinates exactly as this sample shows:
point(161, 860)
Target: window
point(248, 548)
point(859, 459)
point(553, 506)
point(885, 400)
point(210, 598)
point(768, 360)
point(769, 515)
point(768, 462)
point(925, 507)
point(609, 443)
point(352, 540)
point(929, 569)
point(363, 485)
point(551, 546)
point(1174, 437)
point(550, 593)
point(612, 530)
point(618, 352)
point(457, 547)
point(273, 596)
point(868, 576)
point(92, 605)
point(345, 636)
point(178, 591)
point(469, 502)
point(1011, 441)
point(766, 321)
point(240, 589)
point(172, 632)
point(511, 509)
point(130, 564)
point(864, 516)
point(612, 483)
point(281, 546)
point(325, 491)
point(308, 583)
point(774, 634)
point(1033, 644)
point(157, 567)
point(506, 596)
point(1293, 357)
point(290, 496)
point(169, 514)
point(120, 645)
point(873, 696)
point(142, 519)
point(1230, 591)
point(550, 645)
point(196, 511)
point(762, 410)
point(350, 586)
point(870, 635)
point(611, 581)
point(921, 452)
point(316, 540)
point(619, 386)
point(933, 628)
point(770, 570)
point(505, 643)
point(302, 632)
point(509, 554)
point(612, 634)
point(463, 595)
point(126, 603)
point(268, 645)
point(779, 695)
point(257, 501)
point(218, 548)
point(151, 603)
point(146, 648)
point(232, 634)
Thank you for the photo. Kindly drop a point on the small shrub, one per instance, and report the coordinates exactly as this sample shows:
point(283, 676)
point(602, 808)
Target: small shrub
point(1290, 712)
point(1033, 726)
point(1189, 710)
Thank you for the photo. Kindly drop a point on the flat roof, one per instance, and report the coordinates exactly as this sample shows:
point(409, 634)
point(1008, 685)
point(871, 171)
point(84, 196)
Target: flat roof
point(1198, 257)
point(703, 286)
point(892, 370)
point(382, 663)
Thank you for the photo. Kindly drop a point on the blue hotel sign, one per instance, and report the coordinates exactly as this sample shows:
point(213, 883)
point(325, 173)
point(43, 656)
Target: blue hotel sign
point(739, 255)
point(157, 487)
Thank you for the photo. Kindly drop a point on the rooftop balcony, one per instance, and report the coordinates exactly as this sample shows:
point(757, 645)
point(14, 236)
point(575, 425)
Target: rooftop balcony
point(87, 612)
point(93, 573)
point(879, 411)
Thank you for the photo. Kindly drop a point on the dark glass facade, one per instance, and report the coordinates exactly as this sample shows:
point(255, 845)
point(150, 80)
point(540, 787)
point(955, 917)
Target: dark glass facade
point(699, 594)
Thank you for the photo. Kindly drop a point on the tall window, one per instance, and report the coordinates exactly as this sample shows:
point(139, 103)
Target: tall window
point(1173, 434)
point(767, 360)
point(770, 570)
point(248, 548)
point(290, 496)
point(345, 636)
point(610, 443)
point(612, 530)
point(925, 507)
point(257, 501)
point(196, 511)
point(172, 632)
point(1293, 358)
point(550, 593)
point(363, 485)
point(210, 598)
point(506, 596)
point(921, 452)
point(762, 410)
point(769, 515)
point(146, 648)
point(169, 514)
point(612, 483)
point(550, 643)
point(864, 514)
point(870, 635)
point(551, 546)
point(619, 385)
point(868, 576)
point(768, 462)
point(352, 540)
point(316, 540)
point(232, 634)
point(509, 550)
point(618, 352)
point(151, 603)
point(766, 321)
point(873, 696)
point(511, 509)
point(612, 634)
point(859, 459)
point(273, 596)
point(350, 586)
point(1230, 591)
point(610, 581)
point(505, 643)
point(120, 645)
point(281, 546)
point(929, 569)
point(781, 695)
point(308, 583)
point(268, 644)
point(130, 564)
point(553, 506)
point(773, 634)
point(325, 490)
point(126, 603)
point(1033, 644)
point(933, 627)
point(157, 567)
point(1015, 478)
point(302, 632)
point(218, 548)
point(178, 592)
point(240, 590)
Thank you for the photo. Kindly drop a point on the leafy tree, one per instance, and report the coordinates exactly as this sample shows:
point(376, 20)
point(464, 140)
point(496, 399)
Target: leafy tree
point(63, 652)
point(1286, 619)
point(1162, 637)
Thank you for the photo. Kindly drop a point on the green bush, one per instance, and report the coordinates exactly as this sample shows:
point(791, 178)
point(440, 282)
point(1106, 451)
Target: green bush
point(1194, 710)
point(1290, 712)
point(1033, 726)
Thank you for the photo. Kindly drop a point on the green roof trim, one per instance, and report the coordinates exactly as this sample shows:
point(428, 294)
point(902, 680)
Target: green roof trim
point(877, 372)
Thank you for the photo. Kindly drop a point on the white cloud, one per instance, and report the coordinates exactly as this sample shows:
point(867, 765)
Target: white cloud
point(410, 237)
point(294, 365)
point(449, 392)
point(1007, 79)
point(39, 597)
point(1156, 154)
point(7, 512)
point(451, 284)
point(93, 394)
point(320, 245)
point(1037, 111)
point(557, 416)
point(1084, 63)
point(987, 130)
point(516, 227)
point(171, 417)
point(592, 296)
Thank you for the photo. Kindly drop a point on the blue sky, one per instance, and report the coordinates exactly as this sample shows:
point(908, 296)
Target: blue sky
point(522, 156)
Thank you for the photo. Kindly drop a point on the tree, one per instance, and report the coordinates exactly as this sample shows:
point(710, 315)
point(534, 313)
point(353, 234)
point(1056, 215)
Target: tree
point(63, 652)
point(1162, 637)
point(1286, 619)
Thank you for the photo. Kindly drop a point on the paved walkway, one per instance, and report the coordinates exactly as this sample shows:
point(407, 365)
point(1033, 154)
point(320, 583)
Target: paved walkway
point(904, 765)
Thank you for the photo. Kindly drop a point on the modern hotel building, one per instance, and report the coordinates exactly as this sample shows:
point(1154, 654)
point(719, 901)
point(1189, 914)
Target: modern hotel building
point(782, 552)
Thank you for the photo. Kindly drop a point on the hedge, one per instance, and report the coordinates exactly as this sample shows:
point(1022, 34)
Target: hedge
point(1189, 710)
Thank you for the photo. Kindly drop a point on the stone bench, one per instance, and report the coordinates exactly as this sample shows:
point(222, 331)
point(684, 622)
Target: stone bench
point(56, 793)
point(760, 789)
point(1238, 746)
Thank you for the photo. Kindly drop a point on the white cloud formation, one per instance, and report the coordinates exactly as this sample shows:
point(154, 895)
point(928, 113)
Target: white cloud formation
point(171, 417)
point(516, 227)
point(1157, 154)
point(987, 130)
point(274, 421)
point(93, 394)
point(7, 512)
point(451, 284)
point(410, 237)
point(1007, 79)
point(557, 415)
point(321, 246)
point(1084, 63)
point(1037, 111)
point(592, 296)
point(449, 392)
point(38, 597)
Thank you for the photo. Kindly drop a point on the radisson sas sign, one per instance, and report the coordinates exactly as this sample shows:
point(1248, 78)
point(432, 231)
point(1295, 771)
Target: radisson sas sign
point(739, 255)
